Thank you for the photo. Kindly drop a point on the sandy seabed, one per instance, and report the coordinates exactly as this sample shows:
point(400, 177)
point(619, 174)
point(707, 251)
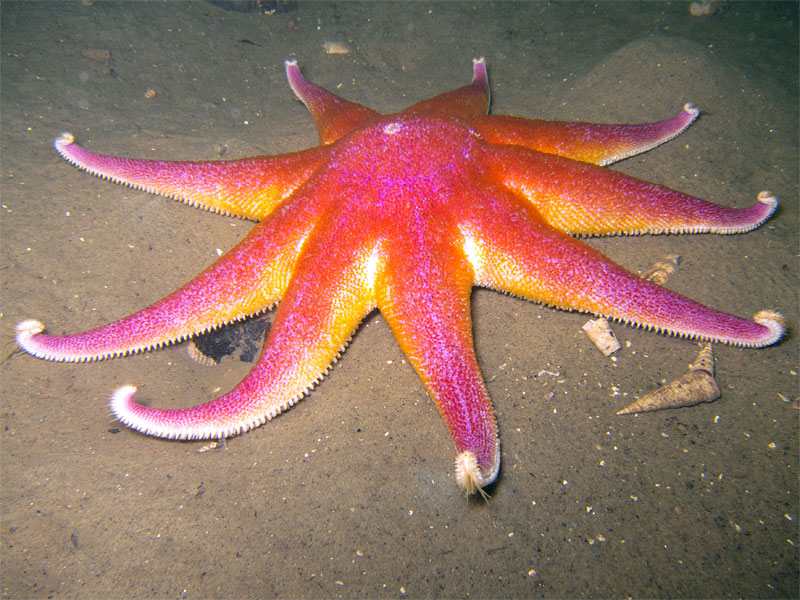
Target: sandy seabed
point(351, 494)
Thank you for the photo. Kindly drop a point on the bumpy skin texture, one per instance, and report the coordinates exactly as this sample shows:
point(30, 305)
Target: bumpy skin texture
point(406, 213)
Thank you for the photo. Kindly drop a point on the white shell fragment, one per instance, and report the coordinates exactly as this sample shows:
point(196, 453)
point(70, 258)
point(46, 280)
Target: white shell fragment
point(703, 8)
point(660, 271)
point(210, 446)
point(333, 47)
point(599, 331)
point(695, 386)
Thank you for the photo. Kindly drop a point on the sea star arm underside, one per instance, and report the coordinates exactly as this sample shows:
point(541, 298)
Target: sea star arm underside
point(597, 143)
point(583, 199)
point(250, 188)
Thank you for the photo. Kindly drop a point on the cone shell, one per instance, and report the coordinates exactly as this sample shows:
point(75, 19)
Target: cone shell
point(704, 361)
point(694, 387)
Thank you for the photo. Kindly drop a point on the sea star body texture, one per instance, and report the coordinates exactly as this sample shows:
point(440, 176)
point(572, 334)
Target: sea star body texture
point(405, 213)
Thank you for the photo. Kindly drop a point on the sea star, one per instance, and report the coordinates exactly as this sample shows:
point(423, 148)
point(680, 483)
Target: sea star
point(406, 213)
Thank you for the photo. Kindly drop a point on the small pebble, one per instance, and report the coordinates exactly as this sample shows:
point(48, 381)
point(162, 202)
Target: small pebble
point(97, 54)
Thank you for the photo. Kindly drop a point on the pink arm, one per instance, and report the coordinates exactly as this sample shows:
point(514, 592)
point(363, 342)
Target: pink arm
point(466, 102)
point(248, 279)
point(334, 116)
point(583, 199)
point(599, 144)
point(250, 188)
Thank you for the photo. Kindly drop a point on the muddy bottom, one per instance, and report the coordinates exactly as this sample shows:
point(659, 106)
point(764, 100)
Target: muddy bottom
point(351, 493)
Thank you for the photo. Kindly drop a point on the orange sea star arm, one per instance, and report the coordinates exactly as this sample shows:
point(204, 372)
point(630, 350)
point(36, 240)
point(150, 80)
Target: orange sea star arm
point(334, 116)
point(250, 188)
point(595, 143)
point(424, 295)
point(466, 102)
point(583, 199)
point(248, 279)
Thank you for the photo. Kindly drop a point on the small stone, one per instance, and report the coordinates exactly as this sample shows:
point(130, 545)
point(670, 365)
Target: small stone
point(100, 55)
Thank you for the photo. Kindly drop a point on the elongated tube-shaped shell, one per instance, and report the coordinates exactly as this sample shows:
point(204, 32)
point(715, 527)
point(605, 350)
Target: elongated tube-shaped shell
point(695, 386)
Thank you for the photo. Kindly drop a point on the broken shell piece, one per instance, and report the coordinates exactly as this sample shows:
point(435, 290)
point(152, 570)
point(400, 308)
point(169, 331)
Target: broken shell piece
point(694, 387)
point(703, 8)
point(599, 331)
point(215, 445)
point(660, 271)
point(331, 47)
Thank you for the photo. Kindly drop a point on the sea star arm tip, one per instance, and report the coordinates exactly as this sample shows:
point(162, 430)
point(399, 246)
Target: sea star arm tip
point(157, 422)
point(121, 400)
point(691, 109)
point(26, 332)
point(480, 74)
point(742, 220)
point(775, 324)
point(469, 475)
point(63, 140)
point(769, 199)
